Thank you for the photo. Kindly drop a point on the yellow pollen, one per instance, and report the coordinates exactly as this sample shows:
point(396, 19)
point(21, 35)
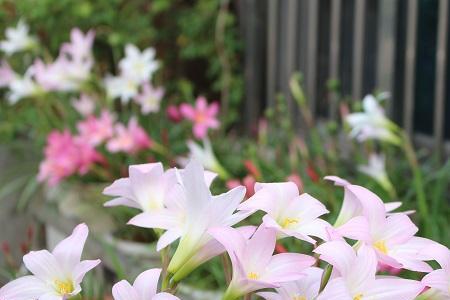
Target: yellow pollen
point(381, 246)
point(297, 297)
point(358, 297)
point(287, 222)
point(200, 118)
point(253, 275)
point(64, 287)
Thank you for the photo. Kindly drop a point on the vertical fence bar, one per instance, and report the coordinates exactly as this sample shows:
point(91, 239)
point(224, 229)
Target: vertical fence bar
point(386, 49)
point(441, 62)
point(272, 29)
point(410, 65)
point(358, 49)
point(312, 47)
point(335, 42)
point(291, 49)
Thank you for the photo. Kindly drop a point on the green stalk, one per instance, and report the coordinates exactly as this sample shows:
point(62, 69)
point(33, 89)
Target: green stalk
point(417, 181)
point(325, 277)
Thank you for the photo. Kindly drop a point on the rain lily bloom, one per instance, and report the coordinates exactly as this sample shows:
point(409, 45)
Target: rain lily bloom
point(439, 280)
point(372, 123)
point(289, 213)
point(173, 113)
point(145, 287)
point(84, 105)
point(23, 86)
point(392, 237)
point(96, 130)
point(131, 139)
point(80, 46)
point(205, 156)
point(7, 75)
point(354, 277)
point(122, 87)
point(17, 39)
point(57, 275)
point(190, 211)
point(254, 265)
point(202, 115)
point(306, 288)
point(138, 65)
point(376, 169)
point(150, 98)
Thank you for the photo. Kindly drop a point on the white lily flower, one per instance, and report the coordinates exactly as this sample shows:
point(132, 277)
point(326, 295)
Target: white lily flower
point(376, 169)
point(22, 87)
point(138, 65)
point(121, 87)
point(17, 39)
point(372, 123)
point(57, 275)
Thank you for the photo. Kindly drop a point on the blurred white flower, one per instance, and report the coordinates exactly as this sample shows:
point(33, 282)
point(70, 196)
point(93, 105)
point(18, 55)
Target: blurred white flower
point(138, 65)
point(6, 74)
point(150, 98)
point(376, 169)
point(121, 87)
point(17, 39)
point(21, 87)
point(372, 122)
point(84, 105)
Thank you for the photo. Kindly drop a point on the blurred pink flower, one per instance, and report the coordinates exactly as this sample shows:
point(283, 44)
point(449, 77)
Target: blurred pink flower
point(129, 139)
point(297, 180)
point(248, 181)
point(65, 155)
point(84, 105)
point(174, 114)
point(202, 115)
point(80, 46)
point(150, 98)
point(6, 74)
point(95, 130)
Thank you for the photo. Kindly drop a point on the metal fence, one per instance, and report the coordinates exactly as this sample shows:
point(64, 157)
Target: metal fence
point(401, 46)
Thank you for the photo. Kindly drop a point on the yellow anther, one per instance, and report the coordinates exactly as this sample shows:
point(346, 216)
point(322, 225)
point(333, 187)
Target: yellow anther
point(253, 275)
point(381, 246)
point(358, 297)
point(287, 222)
point(297, 297)
point(64, 287)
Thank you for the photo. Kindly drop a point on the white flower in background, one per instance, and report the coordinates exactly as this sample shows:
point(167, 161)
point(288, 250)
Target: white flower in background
point(84, 105)
point(121, 87)
point(372, 122)
point(17, 39)
point(22, 87)
point(205, 156)
point(138, 65)
point(150, 98)
point(376, 169)
point(57, 275)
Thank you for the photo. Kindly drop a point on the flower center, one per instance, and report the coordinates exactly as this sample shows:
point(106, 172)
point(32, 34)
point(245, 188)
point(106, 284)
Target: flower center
point(253, 275)
point(200, 118)
point(358, 297)
point(298, 297)
point(288, 222)
point(64, 287)
point(381, 246)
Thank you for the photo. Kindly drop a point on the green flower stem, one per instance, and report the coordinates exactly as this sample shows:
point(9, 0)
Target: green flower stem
point(230, 294)
point(226, 268)
point(325, 277)
point(76, 297)
point(417, 181)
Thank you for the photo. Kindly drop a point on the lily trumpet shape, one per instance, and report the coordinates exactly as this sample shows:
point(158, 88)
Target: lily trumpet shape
point(144, 288)
point(354, 277)
point(57, 275)
point(306, 288)
point(439, 280)
point(391, 236)
point(254, 265)
point(289, 213)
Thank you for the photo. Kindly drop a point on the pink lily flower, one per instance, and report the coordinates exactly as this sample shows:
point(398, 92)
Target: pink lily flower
point(80, 47)
point(85, 105)
point(7, 75)
point(363, 217)
point(202, 115)
point(254, 265)
point(150, 98)
point(145, 287)
point(288, 212)
point(306, 288)
point(353, 276)
point(131, 139)
point(96, 130)
point(57, 275)
point(439, 280)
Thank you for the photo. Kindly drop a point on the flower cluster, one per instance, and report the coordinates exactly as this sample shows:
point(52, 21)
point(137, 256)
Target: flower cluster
point(67, 154)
